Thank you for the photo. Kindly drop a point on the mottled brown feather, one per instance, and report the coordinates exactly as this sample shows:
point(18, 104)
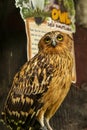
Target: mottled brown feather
point(41, 85)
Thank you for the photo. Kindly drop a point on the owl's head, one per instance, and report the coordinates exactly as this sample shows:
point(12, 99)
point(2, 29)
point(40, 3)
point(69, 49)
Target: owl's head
point(55, 41)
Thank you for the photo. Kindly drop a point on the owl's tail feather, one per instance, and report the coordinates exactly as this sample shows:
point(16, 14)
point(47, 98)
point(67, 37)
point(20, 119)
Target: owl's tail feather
point(30, 124)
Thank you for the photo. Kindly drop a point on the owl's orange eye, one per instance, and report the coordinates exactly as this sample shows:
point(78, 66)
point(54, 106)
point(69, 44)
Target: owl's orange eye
point(60, 37)
point(47, 39)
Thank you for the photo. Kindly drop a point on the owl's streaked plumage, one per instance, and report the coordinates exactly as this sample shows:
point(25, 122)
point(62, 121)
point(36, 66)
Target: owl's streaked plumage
point(41, 85)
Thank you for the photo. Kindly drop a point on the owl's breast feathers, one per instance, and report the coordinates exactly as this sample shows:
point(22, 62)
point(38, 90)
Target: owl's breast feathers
point(31, 84)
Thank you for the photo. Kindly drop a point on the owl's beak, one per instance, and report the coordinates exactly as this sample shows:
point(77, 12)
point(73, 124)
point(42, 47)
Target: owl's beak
point(53, 43)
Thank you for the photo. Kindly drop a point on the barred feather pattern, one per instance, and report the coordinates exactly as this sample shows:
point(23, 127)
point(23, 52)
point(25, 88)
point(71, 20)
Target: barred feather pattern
point(41, 85)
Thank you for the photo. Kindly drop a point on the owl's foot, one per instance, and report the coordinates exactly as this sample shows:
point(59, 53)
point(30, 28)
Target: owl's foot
point(43, 128)
point(48, 125)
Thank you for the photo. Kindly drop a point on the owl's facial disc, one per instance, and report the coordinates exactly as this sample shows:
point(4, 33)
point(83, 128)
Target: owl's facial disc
point(53, 39)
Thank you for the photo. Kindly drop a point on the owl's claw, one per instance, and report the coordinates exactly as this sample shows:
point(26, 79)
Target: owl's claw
point(43, 128)
point(48, 125)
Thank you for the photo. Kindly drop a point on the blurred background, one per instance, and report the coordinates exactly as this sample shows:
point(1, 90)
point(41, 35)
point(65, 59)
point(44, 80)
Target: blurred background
point(72, 114)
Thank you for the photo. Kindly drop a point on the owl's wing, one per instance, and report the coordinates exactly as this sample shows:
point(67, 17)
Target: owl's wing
point(28, 86)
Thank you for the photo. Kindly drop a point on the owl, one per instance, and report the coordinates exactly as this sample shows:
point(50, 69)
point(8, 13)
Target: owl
point(41, 84)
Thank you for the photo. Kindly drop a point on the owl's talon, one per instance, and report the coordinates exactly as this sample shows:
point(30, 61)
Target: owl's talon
point(47, 124)
point(43, 128)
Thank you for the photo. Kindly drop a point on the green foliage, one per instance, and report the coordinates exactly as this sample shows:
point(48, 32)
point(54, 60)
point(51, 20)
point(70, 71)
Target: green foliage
point(69, 5)
point(31, 8)
point(42, 8)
